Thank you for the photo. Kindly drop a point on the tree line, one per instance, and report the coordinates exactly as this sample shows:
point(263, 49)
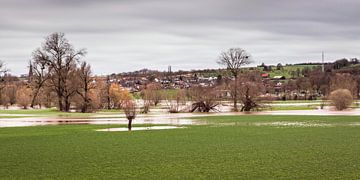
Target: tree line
point(60, 77)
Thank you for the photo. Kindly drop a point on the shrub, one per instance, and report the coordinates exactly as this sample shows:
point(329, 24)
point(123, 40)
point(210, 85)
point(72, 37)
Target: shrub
point(341, 98)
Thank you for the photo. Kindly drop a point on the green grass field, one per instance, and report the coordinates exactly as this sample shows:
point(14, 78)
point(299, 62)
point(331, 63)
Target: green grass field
point(53, 112)
point(42, 112)
point(229, 147)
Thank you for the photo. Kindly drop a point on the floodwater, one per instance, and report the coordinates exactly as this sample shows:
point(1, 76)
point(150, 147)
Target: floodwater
point(155, 117)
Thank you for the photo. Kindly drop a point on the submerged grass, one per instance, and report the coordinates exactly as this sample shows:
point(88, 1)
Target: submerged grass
point(52, 112)
point(195, 152)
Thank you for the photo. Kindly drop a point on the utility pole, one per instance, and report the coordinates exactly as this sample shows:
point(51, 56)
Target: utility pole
point(323, 65)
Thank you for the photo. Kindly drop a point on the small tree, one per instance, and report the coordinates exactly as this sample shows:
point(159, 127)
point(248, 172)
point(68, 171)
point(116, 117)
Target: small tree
point(205, 99)
point(175, 100)
point(250, 87)
point(234, 59)
point(341, 99)
point(23, 97)
point(152, 94)
point(130, 111)
point(85, 86)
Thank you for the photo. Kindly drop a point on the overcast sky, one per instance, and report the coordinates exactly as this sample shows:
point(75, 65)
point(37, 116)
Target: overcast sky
point(127, 35)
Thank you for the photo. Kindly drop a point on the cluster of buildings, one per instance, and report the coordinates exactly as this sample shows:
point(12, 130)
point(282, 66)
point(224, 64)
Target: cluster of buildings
point(137, 83)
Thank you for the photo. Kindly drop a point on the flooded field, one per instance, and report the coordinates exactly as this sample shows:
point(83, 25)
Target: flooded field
point(158, 116)
point(165, 119)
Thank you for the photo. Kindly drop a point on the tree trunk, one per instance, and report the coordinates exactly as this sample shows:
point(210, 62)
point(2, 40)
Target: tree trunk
point(67, 104)
point(85, 107)
point(60, 103)
point(235, 95)
point(129, 124)
point(34, 97)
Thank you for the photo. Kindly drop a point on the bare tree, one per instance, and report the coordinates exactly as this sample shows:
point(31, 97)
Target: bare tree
point(107, 89)
point(205, 99)
point(344, 81)
point(10, 93)
point(38, 76)
point(250, 87)
point(175, 100)
point(3, 72)
point(23, 97)
point(85, 85)
point(304, 86)
point(234, 59)
point(61, 60)
point(130, 112)
point(152, 93)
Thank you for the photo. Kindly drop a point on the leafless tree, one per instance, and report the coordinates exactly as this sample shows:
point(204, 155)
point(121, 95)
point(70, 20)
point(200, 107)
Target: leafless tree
point(23, 97)
point(205, 99)
point(304, 86)
point(61, 60)
point(85, 85)
point(344, 81)
point(3, 72)
point(38, 76)
point(130, 112)
point(250, 87)
point(234, 59)
point(175, 100)
point(152, 93)
point(107, 89)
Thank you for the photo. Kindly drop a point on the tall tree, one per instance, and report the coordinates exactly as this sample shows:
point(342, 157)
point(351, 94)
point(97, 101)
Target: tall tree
point(234, 59)
point(85, 85)
point(61, 60)
point(38, 76)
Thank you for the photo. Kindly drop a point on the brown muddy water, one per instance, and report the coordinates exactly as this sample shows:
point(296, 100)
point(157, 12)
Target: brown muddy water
point(155, 118)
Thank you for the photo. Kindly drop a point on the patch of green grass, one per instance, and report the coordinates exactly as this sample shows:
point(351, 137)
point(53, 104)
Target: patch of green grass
point(195, 152)
point(11, 117)
point(279, 118)
point(283, 108)
point(295, 101)
point(44, 112)
point(286, 70)
point(110, 111)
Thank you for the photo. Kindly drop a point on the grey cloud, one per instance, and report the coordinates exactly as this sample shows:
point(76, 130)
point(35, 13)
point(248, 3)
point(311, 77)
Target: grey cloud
point(123, 35)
